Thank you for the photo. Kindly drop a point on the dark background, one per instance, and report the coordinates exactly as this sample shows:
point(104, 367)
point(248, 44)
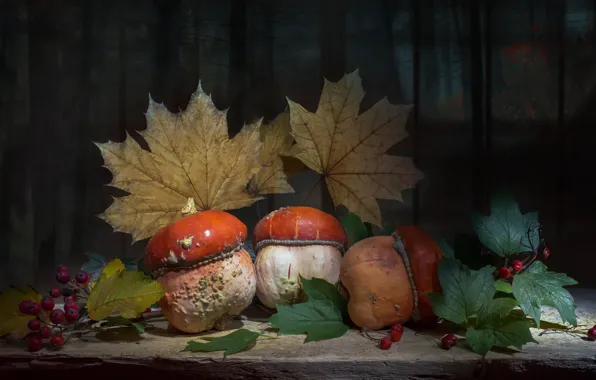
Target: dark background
point(504, 91)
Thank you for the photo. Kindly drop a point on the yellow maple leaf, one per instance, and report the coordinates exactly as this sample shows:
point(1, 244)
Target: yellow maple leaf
point(193, 166)
point(112, 268)
point(12, 321)
point(277, 140)
point(127, 293)
point(348, 148)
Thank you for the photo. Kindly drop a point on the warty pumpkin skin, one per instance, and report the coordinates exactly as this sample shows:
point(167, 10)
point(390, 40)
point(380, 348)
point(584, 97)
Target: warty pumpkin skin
point(291, 242)
point(207, 276)
point(383, 288)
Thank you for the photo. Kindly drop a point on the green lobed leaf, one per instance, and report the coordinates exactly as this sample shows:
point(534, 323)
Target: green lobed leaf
point(355, 229)
point(232, 343)
point(537, 287)
point(465, 291)
point(506, 231)
point(448, 252)
point(503, 287)
point(510, 332)
point(321, 317)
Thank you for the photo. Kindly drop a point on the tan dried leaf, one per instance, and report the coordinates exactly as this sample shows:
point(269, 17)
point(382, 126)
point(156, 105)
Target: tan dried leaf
point(349, 148)
point(193, 166)
point(277, 140)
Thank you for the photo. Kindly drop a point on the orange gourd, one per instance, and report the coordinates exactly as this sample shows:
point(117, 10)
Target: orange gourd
point(387, 277)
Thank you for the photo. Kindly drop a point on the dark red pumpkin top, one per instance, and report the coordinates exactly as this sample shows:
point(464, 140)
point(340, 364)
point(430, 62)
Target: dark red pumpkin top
point(299, 223)
point(194, 237)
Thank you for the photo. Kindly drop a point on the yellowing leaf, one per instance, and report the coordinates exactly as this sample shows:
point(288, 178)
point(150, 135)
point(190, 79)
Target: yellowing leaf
point(277, 140)
point(112, 268)
point(193, 166)
point(127, 293)
point(12, 321)
point(348, 148)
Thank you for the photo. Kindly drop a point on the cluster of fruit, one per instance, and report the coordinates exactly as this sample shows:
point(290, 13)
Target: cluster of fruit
point(394, 336)
point(50, 320)
point(505, 272)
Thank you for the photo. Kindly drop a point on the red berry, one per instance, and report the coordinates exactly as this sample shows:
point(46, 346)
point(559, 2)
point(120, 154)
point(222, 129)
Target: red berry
point(57, 341)
point(57, 316)
point(62, 277)
point(397, 327)
point(546, 252)
point(62, 268)
point(448, 341)
point(82, 277)
point(34, 343)
point(47, 303)
point(395, 335)
point(385, 343)
point(71, 314)
point(46, 332)
point(55, 292)
point(592, 333)
point(517, 265)
point(34, 325)
point(34, 308)
point(504, 272)
point(24, 306)
point(69, 299)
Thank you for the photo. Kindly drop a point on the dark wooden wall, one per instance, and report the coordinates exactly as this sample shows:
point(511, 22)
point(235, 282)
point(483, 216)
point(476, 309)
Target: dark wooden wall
point(505, 96)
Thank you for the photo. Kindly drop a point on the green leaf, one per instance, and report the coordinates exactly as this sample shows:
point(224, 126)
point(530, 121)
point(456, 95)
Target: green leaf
point(506, 231)
point(503, 287)
point(321, 317)
point(121, 321)
point(355, 229)
point(495, 310)
point(537, 287)
point(465, 291)
point(232, 343)
point(448, 252)
point(510, 332)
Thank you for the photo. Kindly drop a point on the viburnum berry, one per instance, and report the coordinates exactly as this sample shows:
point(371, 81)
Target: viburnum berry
point(592, 333)
point(448, 341)
point(546, 253)
point(504, 272)
point(517, 265)
point(57, 340)
point(395, 335)
point(62, 268)
point(24, 306)
point(46, 332)
point(57, 316)
point(397, 327)
point(55, 292)
point(70, 299)
point(34, 325)
point(47, 303)
point(33, 308)
point(71, 314)
point(66, 292)
point(34, 342)
point(62, 277)
point(82, 277)
point(385, 343)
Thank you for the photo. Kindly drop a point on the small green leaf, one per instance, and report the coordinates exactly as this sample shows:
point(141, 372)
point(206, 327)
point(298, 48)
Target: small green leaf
point(321, 317)
point(448, 252)
point(503, 287)
point(510, 332)
point(465, 291)
point(506, 231)
point(355, 229)
point(495, 310)
point(139, 326)
point(537, 287)
point(232, 343)
point(121, 321)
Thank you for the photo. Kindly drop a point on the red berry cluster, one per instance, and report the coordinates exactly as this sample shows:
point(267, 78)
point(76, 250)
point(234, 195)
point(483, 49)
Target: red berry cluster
point(57, 317)
point(397, 330)
point(448, 341)
point(592, 333)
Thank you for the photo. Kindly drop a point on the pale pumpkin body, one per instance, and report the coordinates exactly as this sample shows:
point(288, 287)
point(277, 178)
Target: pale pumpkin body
point(280, 268)
point(381, 290)
point(291, 242)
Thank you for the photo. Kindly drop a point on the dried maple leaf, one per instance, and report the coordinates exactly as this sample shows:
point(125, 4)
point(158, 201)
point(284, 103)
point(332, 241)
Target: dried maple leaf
point(277, 140)
point(193, 166)
point(348, 149)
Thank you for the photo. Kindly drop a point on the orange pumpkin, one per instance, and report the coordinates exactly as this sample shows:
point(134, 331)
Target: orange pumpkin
point(387, 278)
point(207, 275)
